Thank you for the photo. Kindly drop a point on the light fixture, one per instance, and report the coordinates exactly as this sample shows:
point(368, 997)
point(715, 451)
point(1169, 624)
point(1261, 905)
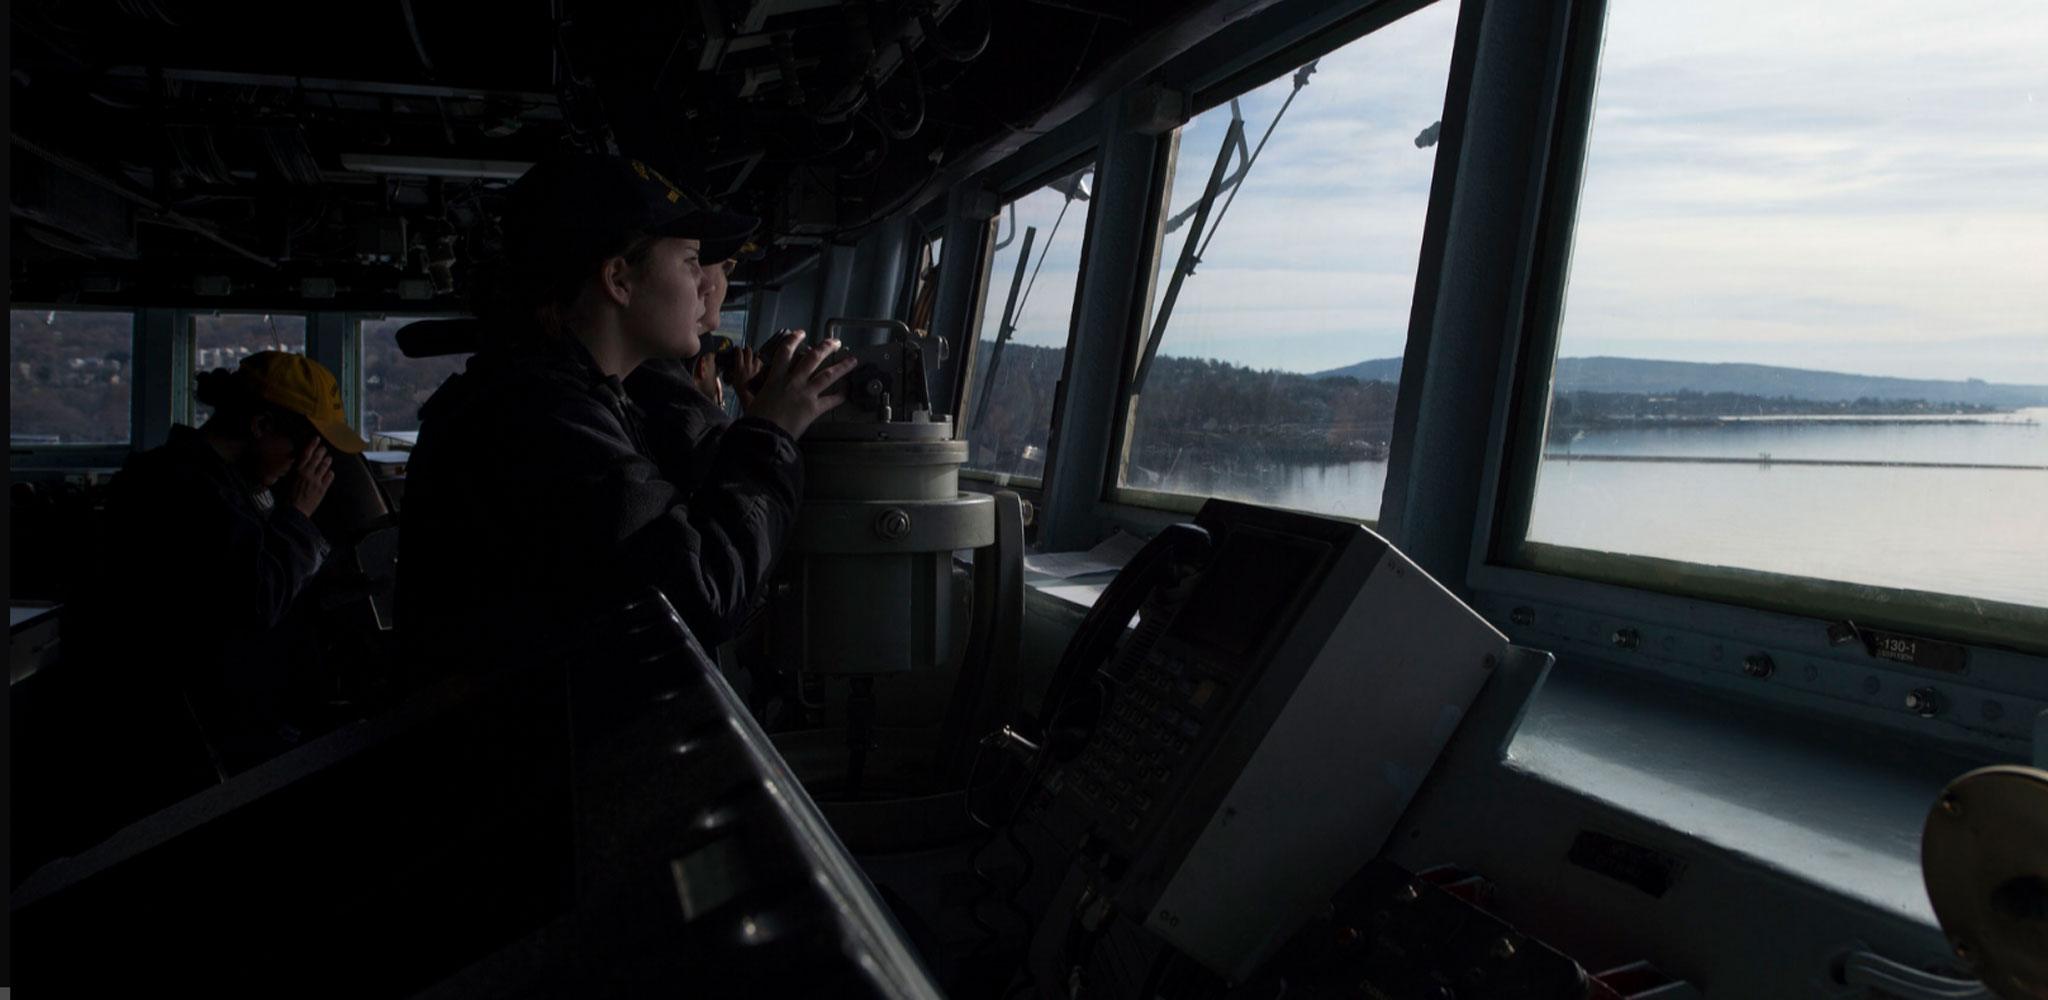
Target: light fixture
point(433, 166)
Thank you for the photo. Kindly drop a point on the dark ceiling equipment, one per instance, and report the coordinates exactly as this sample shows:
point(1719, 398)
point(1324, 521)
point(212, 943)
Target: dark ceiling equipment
point(364, 147)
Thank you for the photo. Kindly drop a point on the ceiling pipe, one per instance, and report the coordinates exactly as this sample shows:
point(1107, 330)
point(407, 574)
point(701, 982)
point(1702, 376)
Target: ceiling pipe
point(159, 212)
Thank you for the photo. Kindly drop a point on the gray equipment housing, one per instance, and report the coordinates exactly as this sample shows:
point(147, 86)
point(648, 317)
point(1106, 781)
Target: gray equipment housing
point(1269, 731)
point(1362, 697)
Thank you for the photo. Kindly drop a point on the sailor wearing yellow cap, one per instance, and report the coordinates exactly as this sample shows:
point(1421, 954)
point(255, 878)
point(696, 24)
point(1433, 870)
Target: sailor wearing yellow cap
point(175, 671)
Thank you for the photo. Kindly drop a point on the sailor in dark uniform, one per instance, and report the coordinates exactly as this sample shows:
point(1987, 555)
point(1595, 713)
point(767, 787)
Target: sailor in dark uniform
point(534, 500)
point(176, 673)
point(684, 399)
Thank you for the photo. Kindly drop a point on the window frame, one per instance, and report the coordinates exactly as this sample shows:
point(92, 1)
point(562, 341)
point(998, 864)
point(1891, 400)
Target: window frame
point(1506, 562)
point(1213, 84)
point(185, 401)
point(354, 386)
point(82, 455)
point(1037, 172)
point(924, 226)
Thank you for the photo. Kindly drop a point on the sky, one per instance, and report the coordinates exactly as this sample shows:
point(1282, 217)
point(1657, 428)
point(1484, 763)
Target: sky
point(1847, 186)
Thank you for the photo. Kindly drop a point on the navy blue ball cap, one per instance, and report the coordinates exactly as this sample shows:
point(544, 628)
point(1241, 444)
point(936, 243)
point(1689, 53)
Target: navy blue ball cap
point(576, 201)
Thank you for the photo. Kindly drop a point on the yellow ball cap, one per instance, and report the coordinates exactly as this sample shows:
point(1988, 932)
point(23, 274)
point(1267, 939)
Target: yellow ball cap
point(305, 387)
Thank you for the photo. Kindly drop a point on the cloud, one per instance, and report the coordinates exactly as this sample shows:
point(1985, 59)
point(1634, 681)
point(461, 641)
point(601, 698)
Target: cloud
point(1849, 186)
point(1856, 188)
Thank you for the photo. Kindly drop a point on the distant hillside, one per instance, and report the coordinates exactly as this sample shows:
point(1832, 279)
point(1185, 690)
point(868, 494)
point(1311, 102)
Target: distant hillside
point(1632, 375)
point(1376, 370)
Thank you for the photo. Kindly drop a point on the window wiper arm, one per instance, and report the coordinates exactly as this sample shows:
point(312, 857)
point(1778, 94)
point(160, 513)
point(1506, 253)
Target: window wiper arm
point(1054, 234)
point(1004, 241)
point(1231, 182)
point(1013, 310)
point(1004, 329)
point(1190, 255)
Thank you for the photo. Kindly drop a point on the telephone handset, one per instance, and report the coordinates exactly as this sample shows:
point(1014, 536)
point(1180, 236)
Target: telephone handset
point(1154, 580)
point(1157, 575)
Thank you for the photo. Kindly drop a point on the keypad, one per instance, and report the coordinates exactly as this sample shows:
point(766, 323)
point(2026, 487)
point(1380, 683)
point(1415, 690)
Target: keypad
point(1153, 725)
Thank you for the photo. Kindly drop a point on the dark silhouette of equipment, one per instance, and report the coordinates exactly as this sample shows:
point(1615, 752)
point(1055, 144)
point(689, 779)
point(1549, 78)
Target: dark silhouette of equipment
point(603, 820)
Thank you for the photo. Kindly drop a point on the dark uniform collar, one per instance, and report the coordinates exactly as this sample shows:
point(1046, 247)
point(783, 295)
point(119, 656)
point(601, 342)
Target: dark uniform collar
point(564, 356)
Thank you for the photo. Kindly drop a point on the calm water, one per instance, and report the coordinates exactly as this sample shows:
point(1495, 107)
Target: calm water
point(1975, 532)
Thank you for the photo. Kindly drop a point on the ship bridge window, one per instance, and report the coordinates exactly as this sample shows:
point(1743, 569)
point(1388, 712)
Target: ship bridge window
point(73, 379)
point(732, 322)
point(222, 340)
point(1022, 339)
point(1804, 335)
point(924, 282)
point(1288, 245)
point(395, 386)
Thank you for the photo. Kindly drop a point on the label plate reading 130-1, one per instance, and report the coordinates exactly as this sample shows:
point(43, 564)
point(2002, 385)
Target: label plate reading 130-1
point(1914, 651)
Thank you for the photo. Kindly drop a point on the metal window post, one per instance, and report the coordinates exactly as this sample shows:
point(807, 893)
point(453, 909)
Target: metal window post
point(1472, 280)
point(331, 340)
point(1106, 316)
point(166, 378)
point(957, 313)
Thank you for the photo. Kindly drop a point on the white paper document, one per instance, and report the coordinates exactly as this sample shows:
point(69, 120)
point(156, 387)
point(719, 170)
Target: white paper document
point(1106, 557)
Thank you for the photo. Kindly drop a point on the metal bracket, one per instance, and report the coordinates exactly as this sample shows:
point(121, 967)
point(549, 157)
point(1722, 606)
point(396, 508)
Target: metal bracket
point(1157, 109)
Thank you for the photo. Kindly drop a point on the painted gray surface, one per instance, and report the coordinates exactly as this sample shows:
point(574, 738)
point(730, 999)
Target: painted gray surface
point(1795, 849)
point(1987, 710)
point(1115, 262)
point(163, 362)
point(957, 312)
point(1797, 835)
point(1174, 41)
point(1824, 806)
point(796, 299)
point(876, 272)
point(1468, 292)
point(332, 340)
point(835, 287)
point(1333, 774)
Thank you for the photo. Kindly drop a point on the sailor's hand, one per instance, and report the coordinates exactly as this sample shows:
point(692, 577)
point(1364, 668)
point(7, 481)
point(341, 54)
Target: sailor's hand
point(310, 478)
point(745, 369)
point(793, 393)
point(704, 371)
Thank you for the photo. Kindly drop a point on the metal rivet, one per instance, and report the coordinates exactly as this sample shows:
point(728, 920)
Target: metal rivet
point(1407, 894)
point(1759, 665)
point(1502, 949)
point(1490, 662)
point(1523, 616)
point(1925, 702)
point(1963, 951)
point(893, 524)
point(1871, 685)
point(1627, 638)
point(1951, 805)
